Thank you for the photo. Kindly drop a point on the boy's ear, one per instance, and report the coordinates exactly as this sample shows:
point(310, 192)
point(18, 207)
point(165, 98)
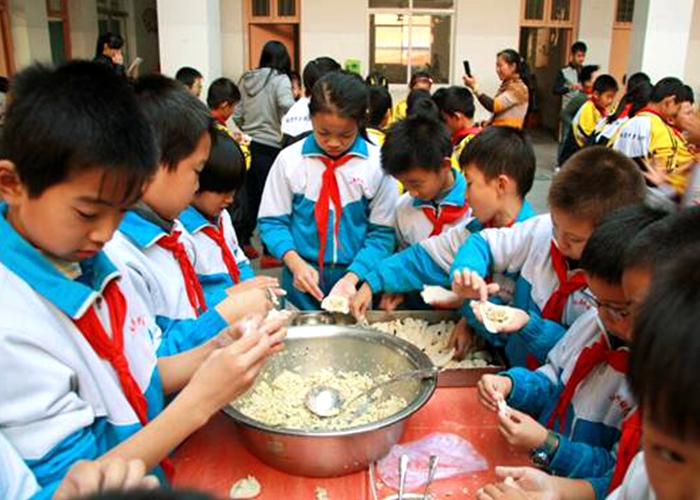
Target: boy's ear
point(11, 188)
point(505, 183)
point(446, 164)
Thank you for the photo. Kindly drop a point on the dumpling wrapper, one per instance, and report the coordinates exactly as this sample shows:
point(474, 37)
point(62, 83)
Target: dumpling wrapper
point(503, 408)
point(494, 315)
point(247, 487)
point(336, 304)
point(438, 295)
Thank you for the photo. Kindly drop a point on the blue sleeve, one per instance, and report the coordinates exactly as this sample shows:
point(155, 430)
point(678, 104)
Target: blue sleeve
point(214, 287)
point(246, 271)
point(531, 391)
point(275, 232)
point(581, 460)
point(474, 255)
point(45, 493)
point(185, 334)
point(379, 243)
point(601, 485)
point(407, 271)
point(541, 335)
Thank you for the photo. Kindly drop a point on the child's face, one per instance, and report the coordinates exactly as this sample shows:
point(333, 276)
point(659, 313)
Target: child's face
point(670, 108)
point(686, 117)
point(605, 99)
point(211, 204)
point(70, 221)
point(196, 88)
point(333, 133)
point(672, 464)
point(571, 233)
point(635, 283)
point(426, 184)
point(453, 122)
point(296, 89)
point(226, 109)
point(613, 307)
point(578, 58)
point(484, 196)
point(171, 191)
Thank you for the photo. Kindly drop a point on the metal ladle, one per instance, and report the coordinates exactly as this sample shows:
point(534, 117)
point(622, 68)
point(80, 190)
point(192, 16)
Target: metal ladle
point(325, 401)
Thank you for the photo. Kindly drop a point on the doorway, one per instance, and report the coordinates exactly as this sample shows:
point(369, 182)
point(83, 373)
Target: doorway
point(272, 20)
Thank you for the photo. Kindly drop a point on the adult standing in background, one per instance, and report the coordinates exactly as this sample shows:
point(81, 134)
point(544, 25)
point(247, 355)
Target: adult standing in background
point(568, 83)
point(266, 96)
point(509, 105)
point(109, 52)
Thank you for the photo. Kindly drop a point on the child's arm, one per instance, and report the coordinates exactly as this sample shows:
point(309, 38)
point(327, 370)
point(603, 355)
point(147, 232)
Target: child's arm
point(540, 335)
point(532, 390)
point(275, 216)
point(581, 460)
point(284, 96)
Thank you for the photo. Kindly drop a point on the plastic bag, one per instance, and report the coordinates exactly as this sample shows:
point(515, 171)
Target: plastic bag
point(457, 457)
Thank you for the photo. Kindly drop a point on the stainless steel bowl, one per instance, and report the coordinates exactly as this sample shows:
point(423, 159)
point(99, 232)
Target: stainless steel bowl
point(336, 453)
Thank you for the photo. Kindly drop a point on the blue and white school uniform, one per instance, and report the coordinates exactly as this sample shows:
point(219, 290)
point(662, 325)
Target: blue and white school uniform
point(287, 218)
point(159, 280)
point(59, 401)
point(16, 480)
point(525, 250)
point(591, 425)
point(636, 485)
point(208, 261)
point(413, 223)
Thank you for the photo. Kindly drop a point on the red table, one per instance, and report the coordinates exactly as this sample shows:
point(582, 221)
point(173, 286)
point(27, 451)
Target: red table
point(214, 458)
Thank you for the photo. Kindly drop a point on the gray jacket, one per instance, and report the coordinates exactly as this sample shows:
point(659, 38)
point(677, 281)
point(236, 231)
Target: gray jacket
point(266, 96)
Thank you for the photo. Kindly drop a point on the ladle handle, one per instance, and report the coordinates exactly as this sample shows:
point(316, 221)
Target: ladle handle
point(432, 467)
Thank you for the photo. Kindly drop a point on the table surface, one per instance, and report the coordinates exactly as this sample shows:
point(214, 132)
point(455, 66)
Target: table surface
point(213, 458)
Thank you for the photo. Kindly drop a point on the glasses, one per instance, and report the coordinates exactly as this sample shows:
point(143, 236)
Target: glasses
point(616, 313)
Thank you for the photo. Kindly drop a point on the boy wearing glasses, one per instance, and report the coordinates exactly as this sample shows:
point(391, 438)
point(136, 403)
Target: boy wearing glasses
point(580, 397)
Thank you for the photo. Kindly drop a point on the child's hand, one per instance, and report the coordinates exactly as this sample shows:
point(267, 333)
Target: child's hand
point(390, 301)
point(517, 321)
point(502, 491)
point(535, 483)
point(345, 287)
point(253, 302)
point(469, 285)
point(461, 339)
point(306, 278)
point(492, 388)
point(262, 282)
point(87, 477)
point(361, 301)
point(521, 430)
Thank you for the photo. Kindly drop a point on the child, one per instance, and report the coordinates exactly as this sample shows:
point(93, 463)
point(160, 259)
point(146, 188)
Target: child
point(419, 80)
point(152, 243)
point(222, 98)
point(328, 209)
point(80, 374)
point(379, 113)
point(570, 396)
point(499, 166)
point(297, 89)
point(586, 77)
point(545, 251)
point(635, 99)
point(190, 78)
point(457, 108)
point(219, 261)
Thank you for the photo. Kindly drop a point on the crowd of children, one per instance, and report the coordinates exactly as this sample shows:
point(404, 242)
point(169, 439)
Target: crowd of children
point(130, 313)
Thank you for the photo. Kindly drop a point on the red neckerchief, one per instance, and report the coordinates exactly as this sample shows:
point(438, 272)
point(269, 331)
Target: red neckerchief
point(217, 235)
point(112, 351)
point(629, 446)
point(588, 360)
point(625, 111)
point(220, 119)
point(554, 308)
point(445, 215)
point(171, 243)
point(458, 136)
point(329, 191)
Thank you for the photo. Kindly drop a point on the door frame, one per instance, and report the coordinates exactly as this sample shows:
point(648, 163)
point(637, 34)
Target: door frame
point(273, 18)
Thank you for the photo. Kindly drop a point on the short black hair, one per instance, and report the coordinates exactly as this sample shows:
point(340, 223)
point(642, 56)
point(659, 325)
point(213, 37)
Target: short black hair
point(595, 182)
point(225, 168)
point(177, 118)
point(187, 76)
point(453, 100)
point(379, 104)
point(669, 87)
point(604, 253)
point(317, 68)
point(638, 78)
point(417, 141)
point(150, 494)
point(77, 117)
point(222, 90)
point(341, 92)
point(605, 83)
point(663, 371)
point(689, 95)
point(294, 76)
point(420, 75)
point(112, 40)
point(587, 72)
point(414, 97)
point(502, 151)
point(579, 47)
point(663, 239)
point(377, 79)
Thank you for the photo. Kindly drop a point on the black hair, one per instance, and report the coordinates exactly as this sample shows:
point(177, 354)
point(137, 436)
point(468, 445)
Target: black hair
point(502, 151)
point(150, 494)
point(637, 79)
point(664, 238)
point(112, 40)
point(414, 97)
point(379, 104)
point(453, 100)
point(604, 253)
point(417, 141)
point(605, 83)
point(377, 79)
point(222, 90)
point(317, 68)
point(637, 96)
point(420, 75)
point(225, 168)
point(294, 76)
point(177, 117)
point(579, 47)
point(689, 95)
point(513, 57)
point(4, 84)
point(663, 371)
point(274, 55)
point(669, 87)
point(77, 117)
point(587, 73)
point(187, 76)
point(343, 93)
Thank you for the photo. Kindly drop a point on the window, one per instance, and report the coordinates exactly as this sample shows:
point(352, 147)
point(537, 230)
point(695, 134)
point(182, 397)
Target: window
point(625, 12)
point(272, 11)
point(407, 36)
point(59, 30)
point(543, 13)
